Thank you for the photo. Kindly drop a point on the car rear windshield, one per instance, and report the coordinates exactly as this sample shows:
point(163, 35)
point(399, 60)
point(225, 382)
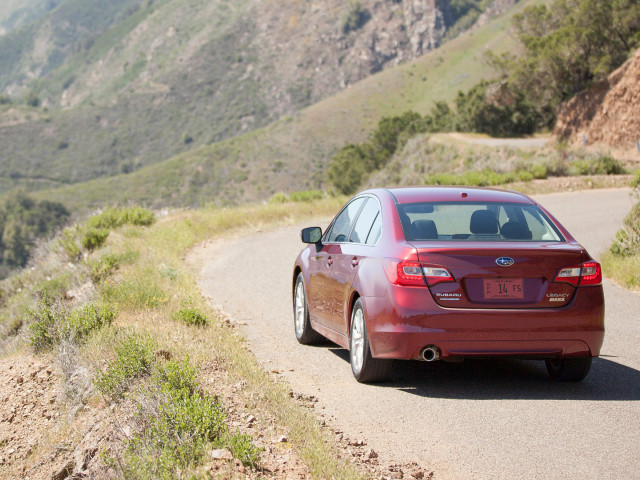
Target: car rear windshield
point(476, 221)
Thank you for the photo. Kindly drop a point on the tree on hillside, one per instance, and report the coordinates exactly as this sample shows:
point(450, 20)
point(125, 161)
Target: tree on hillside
point(353, 163)
point(24, 220)
point(568, 45)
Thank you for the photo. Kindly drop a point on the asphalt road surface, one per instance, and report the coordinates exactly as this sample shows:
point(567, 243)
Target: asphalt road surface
point(482, 419)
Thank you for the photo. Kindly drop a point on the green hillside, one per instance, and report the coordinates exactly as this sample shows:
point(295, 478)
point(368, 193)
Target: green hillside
point(90, 90)
point(291, 154)
point(16, 13)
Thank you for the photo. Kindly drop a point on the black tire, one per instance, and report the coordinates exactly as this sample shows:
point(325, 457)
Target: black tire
point(568, 369)
point(365, 368)
point(305, 334)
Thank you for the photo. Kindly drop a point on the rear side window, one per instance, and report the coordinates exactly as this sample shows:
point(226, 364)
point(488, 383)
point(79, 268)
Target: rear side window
point(365, 223)
point(476, 221)
point(341, 227)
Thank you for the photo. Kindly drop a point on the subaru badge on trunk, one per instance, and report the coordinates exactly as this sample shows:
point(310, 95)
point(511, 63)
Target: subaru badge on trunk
point(504, 261)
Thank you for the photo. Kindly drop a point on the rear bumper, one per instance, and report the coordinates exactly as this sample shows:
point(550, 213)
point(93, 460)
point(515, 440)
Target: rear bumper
point(407, 319)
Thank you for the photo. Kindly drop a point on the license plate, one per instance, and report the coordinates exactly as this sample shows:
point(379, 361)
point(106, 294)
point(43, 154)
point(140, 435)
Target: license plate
point(503, 288)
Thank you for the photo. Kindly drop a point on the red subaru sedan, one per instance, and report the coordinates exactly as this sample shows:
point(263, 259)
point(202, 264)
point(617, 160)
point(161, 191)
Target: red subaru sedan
point(444, 273)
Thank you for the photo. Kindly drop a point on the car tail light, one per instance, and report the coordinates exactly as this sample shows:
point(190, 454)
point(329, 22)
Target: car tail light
point(435, 274)
point(589, 273)
point(409, 272)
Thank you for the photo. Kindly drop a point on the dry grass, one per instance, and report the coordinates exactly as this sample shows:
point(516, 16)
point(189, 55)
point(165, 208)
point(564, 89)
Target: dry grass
point(624, 271)
point(164, 246)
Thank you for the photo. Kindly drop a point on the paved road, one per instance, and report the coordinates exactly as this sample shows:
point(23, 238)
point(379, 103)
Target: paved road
point(537, 142)
point(478, 420)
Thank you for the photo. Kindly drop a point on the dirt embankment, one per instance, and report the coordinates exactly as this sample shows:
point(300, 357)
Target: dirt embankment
point(606, 114)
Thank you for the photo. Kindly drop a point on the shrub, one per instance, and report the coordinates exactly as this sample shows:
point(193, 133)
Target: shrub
point(107, 264)
point(538, 171)
point(43, 324)
point(134, 357)
point(356, 18)
point(112, 218)
point(178, 423)
point(135, 293)
point(279, 197)
point(94, 238)
point(601, 165)
point(306, 196)
point(50, 323)
point(243, 448)
point(69, 244)
point(31, 99)
point(190, 316)
point(627, 242)
point(80, 323)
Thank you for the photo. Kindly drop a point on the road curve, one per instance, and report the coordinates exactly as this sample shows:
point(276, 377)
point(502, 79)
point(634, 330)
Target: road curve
point(482, 419)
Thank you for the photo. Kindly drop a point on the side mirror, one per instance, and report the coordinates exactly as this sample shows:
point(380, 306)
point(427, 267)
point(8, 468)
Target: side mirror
point(311, 235)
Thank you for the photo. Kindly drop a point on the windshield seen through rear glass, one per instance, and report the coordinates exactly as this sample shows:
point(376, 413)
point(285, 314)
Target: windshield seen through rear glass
point(476, 221)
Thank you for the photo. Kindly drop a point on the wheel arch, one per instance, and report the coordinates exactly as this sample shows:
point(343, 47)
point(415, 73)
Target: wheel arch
point(296, 271)
point(355, 295)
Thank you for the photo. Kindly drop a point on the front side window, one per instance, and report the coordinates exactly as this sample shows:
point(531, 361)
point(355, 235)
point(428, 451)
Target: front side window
point(339, 231)
point(476, 221)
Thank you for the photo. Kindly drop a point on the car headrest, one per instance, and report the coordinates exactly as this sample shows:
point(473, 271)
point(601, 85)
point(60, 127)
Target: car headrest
point(483, 222)
point(424, 230)
point(516, 231)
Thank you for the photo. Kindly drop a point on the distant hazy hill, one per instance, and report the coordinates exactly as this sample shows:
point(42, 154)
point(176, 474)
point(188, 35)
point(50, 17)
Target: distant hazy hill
point(129, 83)
point(291, 154)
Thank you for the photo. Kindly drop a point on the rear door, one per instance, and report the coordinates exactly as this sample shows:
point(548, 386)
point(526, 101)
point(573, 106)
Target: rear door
point(323, 292)
point(346, 263)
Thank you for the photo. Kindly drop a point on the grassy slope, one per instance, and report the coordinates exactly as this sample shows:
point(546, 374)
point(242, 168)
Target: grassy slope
point(154, 283)
point(291, 154)
point(14, 13)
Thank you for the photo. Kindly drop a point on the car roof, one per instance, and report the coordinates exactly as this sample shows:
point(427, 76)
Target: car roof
point(439, 193)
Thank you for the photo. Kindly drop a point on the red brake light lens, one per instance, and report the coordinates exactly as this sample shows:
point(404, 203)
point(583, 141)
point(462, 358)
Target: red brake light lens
point(589, 273)
point(412, 273)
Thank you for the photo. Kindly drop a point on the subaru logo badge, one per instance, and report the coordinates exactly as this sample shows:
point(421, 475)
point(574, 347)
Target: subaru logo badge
point(505, 261)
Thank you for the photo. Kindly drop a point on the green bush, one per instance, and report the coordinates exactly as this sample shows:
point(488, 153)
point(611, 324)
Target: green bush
point(31, 99)
point(243, 448)
point(43, 324)
point(134, 357)
point(190, 316)
point(50, 323)
point(353, 163)
point(94, 238)
point(279, 197)
point(134, 293)
point(356, 18)
point(80, 323)
point(112, 218)
point(306, 196)
point(107, 264)
point(69, 244)
point(538, 171)
point(601, 165)
point(178, 424)
point(627, 241)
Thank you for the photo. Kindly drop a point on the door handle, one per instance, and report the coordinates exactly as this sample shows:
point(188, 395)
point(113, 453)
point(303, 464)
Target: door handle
point(329, 261)
point(354, 262)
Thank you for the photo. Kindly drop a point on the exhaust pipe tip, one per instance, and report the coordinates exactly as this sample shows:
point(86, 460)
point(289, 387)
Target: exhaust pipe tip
point(430, 353)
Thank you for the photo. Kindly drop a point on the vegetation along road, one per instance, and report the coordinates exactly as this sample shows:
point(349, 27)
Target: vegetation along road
point(480, 419)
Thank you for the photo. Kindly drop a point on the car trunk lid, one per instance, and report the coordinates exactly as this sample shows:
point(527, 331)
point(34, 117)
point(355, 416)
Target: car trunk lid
point(509, 275)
